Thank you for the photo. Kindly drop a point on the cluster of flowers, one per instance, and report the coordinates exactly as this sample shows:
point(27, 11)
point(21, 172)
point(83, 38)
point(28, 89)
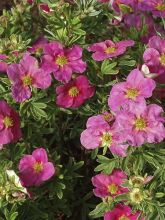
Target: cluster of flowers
point(108, 187)
point(131, 121)
point(36, 165)
point(55, 59)
point(133, 15)
point(157, 7)
point(34, 70)
point(64, 63)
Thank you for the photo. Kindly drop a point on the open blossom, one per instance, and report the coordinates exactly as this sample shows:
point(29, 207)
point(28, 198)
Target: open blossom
point(9, 124)
point(121, 212)
point(35, 169)
point(109, 185)
point(25, 75)
point(157, 7)
point(103, 135)
point(143, 124)
point(109, 49)
point(133, 91)
point(154, 57)
point(74, 93)
point(63, 61)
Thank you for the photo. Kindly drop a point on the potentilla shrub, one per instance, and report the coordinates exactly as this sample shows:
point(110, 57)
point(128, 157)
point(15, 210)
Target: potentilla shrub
point(82, 110)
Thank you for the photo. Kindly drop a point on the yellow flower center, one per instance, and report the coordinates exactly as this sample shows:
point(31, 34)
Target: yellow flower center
point(123, 217)
point(39, 51)
point(132, 93)
point(73, 91)
point(38, 167)
point(110, 50)
point(27, 80)
point(160, 7)
point(113, 188)
point(8, 122)
point(162, 59)
point(140, 124)
point(61, 60)
point(106, 139)
point(107, 116)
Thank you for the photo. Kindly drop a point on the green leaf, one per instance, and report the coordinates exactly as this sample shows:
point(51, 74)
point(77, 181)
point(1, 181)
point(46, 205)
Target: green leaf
point(127, 63)
point(107, 67)
point(99, 210)
point(39, 105)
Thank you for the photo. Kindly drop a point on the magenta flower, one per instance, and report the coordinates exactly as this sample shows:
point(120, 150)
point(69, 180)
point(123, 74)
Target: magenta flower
point(142, 125)
point(154, 56)
point(63, 62)
point(157, 7)
point(109, 185)
point(133, 91)
point(121, 212)
point(9, 124)
point(103, 135)
point(109, 49)
point(35, 169)
point(38, 46)
point(25, 75)
point(74, 93)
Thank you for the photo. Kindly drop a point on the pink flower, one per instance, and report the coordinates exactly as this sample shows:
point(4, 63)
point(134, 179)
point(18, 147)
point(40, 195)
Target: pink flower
point(143, 124)
point(109, 185)
point(9, 124)
point(133, 91)
point(109, 49)
point(154, 57)
point(157, 7)
point(38, 46)
point(100, 134)
point(121, 212)
point(63, 62)
point(35, 169)
point(74, 93)
point(25, 75)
